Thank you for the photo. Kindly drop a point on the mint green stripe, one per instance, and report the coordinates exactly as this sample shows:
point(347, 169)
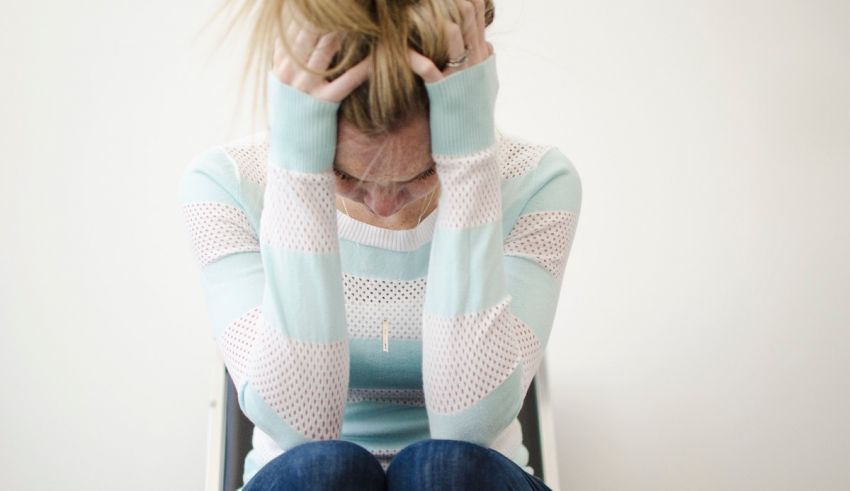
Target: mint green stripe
point(302, 128)
point(212, 175)
point(196, 190)
point(534, 294)
point(485, 419)
point(232, 285)
point(557, 183)
point(554, 184)
point(252, 197)
point(264, 417)
point(461, 109)
point(363, 260)
point(462, 278)
point(384, 426)
point(513, 200)
point(305, 298)
point(371, 368)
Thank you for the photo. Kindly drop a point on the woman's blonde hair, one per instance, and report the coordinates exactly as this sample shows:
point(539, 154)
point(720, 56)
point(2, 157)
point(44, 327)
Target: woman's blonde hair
point(383, 29)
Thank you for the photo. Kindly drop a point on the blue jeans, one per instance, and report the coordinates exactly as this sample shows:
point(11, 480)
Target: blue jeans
point(428, 465)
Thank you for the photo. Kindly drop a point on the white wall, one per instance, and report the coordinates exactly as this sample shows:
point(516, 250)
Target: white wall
point(702, 339)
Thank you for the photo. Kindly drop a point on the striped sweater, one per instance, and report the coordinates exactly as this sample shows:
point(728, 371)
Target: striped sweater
point(332, 328)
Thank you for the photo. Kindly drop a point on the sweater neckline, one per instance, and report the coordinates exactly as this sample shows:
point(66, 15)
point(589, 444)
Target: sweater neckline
point(406, 240)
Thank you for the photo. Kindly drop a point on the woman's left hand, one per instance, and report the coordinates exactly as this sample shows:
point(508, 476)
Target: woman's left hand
point(467, 45)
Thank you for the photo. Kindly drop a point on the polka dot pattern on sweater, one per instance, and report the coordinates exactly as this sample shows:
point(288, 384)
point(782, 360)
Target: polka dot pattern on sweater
point(544, 237)
point(300, 215)
point(304, 383)
point(360, 289)
point(250, 154)
point(218, 229)
point(366, 320)
point(470, 193)
point(237, 343)
point(518, 157)
point(530, 350)
point(465, 358)
point(369, 301)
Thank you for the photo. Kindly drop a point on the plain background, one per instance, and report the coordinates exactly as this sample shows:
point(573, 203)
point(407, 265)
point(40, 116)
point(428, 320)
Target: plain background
point(703, 336)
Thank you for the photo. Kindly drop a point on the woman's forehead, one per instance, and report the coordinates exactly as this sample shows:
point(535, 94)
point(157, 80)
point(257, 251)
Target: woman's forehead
point(396, 156)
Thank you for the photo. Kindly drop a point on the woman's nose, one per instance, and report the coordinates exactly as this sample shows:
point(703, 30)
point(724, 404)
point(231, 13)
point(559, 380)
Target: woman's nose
point(382, 201)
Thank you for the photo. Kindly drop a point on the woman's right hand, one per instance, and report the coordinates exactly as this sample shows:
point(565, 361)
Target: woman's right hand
point(316, 51)
point(466, 42)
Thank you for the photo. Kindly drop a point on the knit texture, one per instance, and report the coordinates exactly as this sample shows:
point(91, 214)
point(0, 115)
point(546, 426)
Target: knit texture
point(333, 328)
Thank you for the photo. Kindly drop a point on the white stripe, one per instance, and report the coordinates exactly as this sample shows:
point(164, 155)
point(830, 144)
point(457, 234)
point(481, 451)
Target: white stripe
point(218, 229)
point(299, 214)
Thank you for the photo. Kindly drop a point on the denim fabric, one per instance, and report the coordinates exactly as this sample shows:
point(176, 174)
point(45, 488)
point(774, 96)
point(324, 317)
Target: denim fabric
point(428, 465)
point(329, 464)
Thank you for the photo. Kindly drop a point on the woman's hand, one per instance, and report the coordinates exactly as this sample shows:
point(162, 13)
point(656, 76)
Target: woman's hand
point(316, 51)
point(467, 46)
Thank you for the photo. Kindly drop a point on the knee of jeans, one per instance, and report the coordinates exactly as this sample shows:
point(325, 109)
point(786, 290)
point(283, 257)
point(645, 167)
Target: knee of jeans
point(440, 454)
point(329, 450)
point(330, 464)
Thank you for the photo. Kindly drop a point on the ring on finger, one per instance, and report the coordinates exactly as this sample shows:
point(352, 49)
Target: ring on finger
point(459, 61)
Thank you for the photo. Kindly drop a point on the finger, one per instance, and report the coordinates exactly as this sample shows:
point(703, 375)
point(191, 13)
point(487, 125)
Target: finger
point(277, 58)
point(345, 84)
point(285, 71)
point(283, 68)
point(423, 66)
point(291, 34)
point(480, 18)
point(469, 26)
point(319, 60)
point(277, 55)
point(473, 30)
point(301, 35)
point(326, 48)
point(305, 81)
point(305, 43)
point(481, 24)
point(456, 47)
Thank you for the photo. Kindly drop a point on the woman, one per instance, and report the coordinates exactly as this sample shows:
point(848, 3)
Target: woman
point(382, 266)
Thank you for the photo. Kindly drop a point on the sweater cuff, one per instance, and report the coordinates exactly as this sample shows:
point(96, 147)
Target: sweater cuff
point(461, 112)
point(302, 128)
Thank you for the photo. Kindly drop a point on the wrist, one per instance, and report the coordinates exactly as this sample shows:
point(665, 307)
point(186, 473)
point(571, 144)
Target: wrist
point(462, 108)
point(302, 128)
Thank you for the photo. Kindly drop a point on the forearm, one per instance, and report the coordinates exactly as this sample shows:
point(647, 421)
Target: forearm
point(302, 367)
point(490, 301)
point(470, 350)
point(275, 295)
point(467, 247)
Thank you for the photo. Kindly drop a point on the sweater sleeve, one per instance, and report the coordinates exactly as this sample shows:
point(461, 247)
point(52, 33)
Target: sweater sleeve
point(275, 297)
point(489, 301)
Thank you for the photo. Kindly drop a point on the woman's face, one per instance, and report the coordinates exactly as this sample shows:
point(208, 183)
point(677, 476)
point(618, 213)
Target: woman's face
point(387, 173)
